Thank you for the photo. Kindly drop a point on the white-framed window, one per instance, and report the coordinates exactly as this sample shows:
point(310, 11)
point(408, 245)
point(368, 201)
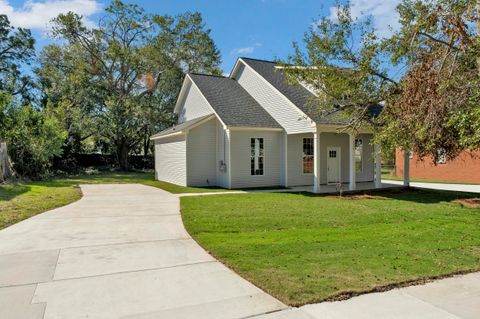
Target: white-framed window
point(441, 156)
point(358, 154)
point(307, 155)
point(256, 156)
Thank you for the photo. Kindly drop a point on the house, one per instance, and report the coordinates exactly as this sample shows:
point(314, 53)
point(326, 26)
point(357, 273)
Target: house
point(463, 169)
point(253, 129)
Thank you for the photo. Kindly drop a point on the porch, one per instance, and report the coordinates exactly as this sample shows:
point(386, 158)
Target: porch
point(330, 158)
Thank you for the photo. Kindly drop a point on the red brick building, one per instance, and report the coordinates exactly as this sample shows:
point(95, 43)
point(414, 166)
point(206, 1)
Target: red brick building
point(464, 169)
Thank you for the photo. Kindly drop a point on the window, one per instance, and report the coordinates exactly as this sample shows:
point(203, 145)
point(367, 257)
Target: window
point(358, 153)
point(307, 155)
point(256, 156)
point(441, 156)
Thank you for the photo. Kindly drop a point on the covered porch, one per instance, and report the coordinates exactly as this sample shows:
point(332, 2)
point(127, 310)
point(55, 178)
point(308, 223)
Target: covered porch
point(332, 160)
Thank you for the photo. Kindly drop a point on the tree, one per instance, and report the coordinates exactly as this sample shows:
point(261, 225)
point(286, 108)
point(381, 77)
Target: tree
point(437, 113)
point(433, 107)
point(34, 137)
point(344, 61)
point(16, 48)
point(67, 92)
point(135, 63)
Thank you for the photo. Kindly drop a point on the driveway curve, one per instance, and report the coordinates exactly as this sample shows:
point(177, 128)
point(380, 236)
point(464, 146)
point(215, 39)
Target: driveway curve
point(119, 252)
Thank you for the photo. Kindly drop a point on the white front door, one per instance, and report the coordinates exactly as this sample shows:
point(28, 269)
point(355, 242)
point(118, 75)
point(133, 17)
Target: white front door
point(333, 165)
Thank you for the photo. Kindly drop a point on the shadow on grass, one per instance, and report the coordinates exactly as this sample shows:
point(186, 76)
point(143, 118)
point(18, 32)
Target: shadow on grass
point(421, 196)
point(10, 191)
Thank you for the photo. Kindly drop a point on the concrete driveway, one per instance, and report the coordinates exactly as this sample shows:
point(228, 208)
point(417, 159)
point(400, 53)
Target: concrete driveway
point(119, 252)
point(469, 188)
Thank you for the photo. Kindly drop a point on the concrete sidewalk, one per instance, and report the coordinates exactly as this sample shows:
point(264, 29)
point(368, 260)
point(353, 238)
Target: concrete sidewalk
point(122, 252)
point(119, 252)
point(469, 188)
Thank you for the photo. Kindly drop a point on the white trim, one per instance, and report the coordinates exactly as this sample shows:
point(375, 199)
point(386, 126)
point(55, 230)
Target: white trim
point(351, 161)
point(378, 166)
point(339, 162)
point(251, 128)
point(316, 162)
point(185, 130)
point(361, 155)
point(285, 142)
point(180, 95)
point(313, 124)
point(168, 135)
point(229, 164)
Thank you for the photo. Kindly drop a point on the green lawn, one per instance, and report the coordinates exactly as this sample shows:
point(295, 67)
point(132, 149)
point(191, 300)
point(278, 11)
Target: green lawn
point(303, 248)
point(26, 199)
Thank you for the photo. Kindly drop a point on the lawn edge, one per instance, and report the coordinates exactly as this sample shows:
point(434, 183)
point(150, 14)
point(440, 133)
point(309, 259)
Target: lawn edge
point(342, 295)
point(76, 187)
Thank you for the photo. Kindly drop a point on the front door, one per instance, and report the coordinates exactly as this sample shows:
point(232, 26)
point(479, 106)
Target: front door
point(333, 165)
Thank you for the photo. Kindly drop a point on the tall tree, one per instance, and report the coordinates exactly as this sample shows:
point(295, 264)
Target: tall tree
point(16, 48)
point(433, 106)
point(136, 61)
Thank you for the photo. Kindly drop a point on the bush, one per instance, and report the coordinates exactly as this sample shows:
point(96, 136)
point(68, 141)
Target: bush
point(33, 138)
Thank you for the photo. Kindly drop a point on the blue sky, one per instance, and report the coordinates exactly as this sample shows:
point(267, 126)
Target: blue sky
point(261, 29)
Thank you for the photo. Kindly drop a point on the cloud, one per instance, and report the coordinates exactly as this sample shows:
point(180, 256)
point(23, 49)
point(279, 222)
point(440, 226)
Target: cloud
point(37, 14)
point(246, 50)
point(384, 14)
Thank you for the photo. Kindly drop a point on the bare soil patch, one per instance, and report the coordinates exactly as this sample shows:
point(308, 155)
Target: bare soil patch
point(469, 202)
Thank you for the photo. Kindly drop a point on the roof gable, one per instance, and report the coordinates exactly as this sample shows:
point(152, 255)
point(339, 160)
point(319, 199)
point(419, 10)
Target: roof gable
point(232, 103)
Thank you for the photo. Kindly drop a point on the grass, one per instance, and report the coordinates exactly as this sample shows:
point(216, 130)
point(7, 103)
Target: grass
point(303, 248)
point(423, 180)
point(26, 199)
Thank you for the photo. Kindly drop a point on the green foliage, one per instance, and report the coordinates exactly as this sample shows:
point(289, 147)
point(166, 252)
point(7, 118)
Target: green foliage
point(34, 138)
point(343, 62)
point(433, 106)
point(16, 48)
point(125, 74)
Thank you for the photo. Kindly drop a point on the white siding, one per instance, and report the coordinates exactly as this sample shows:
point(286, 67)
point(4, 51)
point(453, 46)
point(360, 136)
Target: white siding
point(222, 155)
point(240, 160)
point(296, 177)
point(286, 114)
point(201, 155)
point(341, 140)
point(368, 171)
point(193, 105)
point(170, 160)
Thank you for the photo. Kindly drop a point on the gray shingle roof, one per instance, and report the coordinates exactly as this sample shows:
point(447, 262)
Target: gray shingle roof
point(232, 103)
point(297, 94)
point(182, 126)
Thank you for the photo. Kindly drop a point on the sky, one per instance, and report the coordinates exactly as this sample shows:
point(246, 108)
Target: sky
point(262, 29)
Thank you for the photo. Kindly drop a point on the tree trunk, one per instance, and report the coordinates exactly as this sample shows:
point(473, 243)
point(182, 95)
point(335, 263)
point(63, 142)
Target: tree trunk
point(146, 147)
point(6, 170)
point(122, 156)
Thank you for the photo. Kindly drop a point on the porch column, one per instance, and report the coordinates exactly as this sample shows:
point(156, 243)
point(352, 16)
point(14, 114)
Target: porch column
point(406, 168)
point(316, 162)
point(351, 158)
point(378, 166)
point(285, 173)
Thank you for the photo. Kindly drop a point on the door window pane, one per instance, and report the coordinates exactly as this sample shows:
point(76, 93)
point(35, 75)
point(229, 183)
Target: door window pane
point(256, 156)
